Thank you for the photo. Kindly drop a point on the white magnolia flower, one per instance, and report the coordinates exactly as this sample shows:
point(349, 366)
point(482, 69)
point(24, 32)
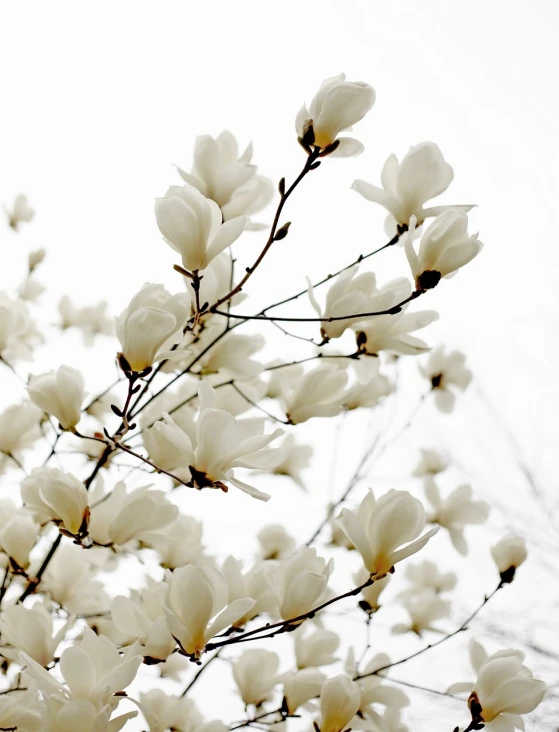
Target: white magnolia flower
point(509, 553)
point(256, 674)
point(316, 648)
point(406, 186)
point(165, 712)
point(445, 247)
point(31, 290)
point(69, 581)
point(349, 294)
point(219, 444)
point(92, 320)
point(424, 608)
point(318, 393)
point(152, 322)
point(504, 690)
point(374, 689)
point(392, 332)
point(444, 371)
point(22, 711)
point(379, 529)
point(427, 576)
point(300, 582)
point(371, 593)
point(18, 536)
point(431, 462)
point(287, 459)
point(340, 698)
point(191, 224)
point(196, 607)
point(455, 512)
point(30, 630)
point(367, 393)
point(301, 686)
point(250, 584)
point(17, 330)
point(123, 515)
point(142, 617)
point(93, 671)
point(275, 542)
point(52, 495)
point(282, 379)
point(229, 179)
point(60, 394)
point(231, 356)
point(20, 212)
point(336, 106)
point(180, 543)
point(35, 258)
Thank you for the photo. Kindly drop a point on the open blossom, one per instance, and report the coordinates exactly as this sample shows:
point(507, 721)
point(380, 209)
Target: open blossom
point(444, 248)
point(336, 106)
point(19, 427)
point(301, 686)
point(59, 393)
point(180, 543)
point(406, 186)
point(444, 371)
point(191, 224)
point(374, 689)
point(18, 333)
point(256, 674)
point(231, 356)
point(52, 495)
point(300, 582)
point(504, 689)
point(249, 584)
point(392, 332)
point(30, 630)
point(164, 712)
point(22, 711)
point(196, 607)
point(153, 321)
point(20, 212)
point(125, 515)
point(227, 178)
point(287, 459)
point(455, 512)
point(316, 648)
point(93, 671)
point(275, 542)
point(219, 444)
point(142, 617)
point(319, 393)
point(340, 698)
point(427, 576)
point(385, 531)
point(18, 535)
point(69, 581)
point(509, 553)
point(431, 462)
point(424, 608)
point(350, 293)
point(92, 320)
point(368, 393)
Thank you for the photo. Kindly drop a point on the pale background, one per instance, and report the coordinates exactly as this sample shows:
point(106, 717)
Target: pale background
point(100, 99)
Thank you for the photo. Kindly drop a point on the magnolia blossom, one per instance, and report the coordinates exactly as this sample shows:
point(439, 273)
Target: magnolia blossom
point(371, 593)
point(504, 690)
point(427, 576)
point(349, 294)
point(152, 322)
point(340, 698)
point(300, 582)
point(91, 320)
point(35, 258)
point(18, 536)
point(93, 671)
point(142, 617)
point(17, 330)
point(180, 543)
point(406, 186)
point(250, 584)
point(455, 512)
point(374, 689)
point(231, 356)
point(191, 224)
point(287, 459)
point(509, 553)
point(219, 444)
point(22, 711)
point(125, 515)
point(392, 332)
point(255, 674)
point(444, 371)
point(368, 393)
point(336, 106)
point(424, 608)
point(197, 609)
point(229, 179)
point(316, 648)
point(319, 393)
point(378, 528)
point(60, 394)
point(30, 630)
point(165, 712)
point(431, 462)
point(52, 495)
point(20, 212)
point(275, 542)
point(445, 247)
point(301, 686)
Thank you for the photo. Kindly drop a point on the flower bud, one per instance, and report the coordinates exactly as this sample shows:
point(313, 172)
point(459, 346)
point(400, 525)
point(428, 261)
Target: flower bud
point(255, 674)
point(53, 495)
point(509, 553)
point(60, 394)
point(339, 702)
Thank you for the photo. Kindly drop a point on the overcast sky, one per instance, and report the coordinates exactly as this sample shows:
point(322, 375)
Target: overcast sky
point(99, 100)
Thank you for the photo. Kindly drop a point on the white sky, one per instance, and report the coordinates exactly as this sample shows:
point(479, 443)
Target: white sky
point(99, 99)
